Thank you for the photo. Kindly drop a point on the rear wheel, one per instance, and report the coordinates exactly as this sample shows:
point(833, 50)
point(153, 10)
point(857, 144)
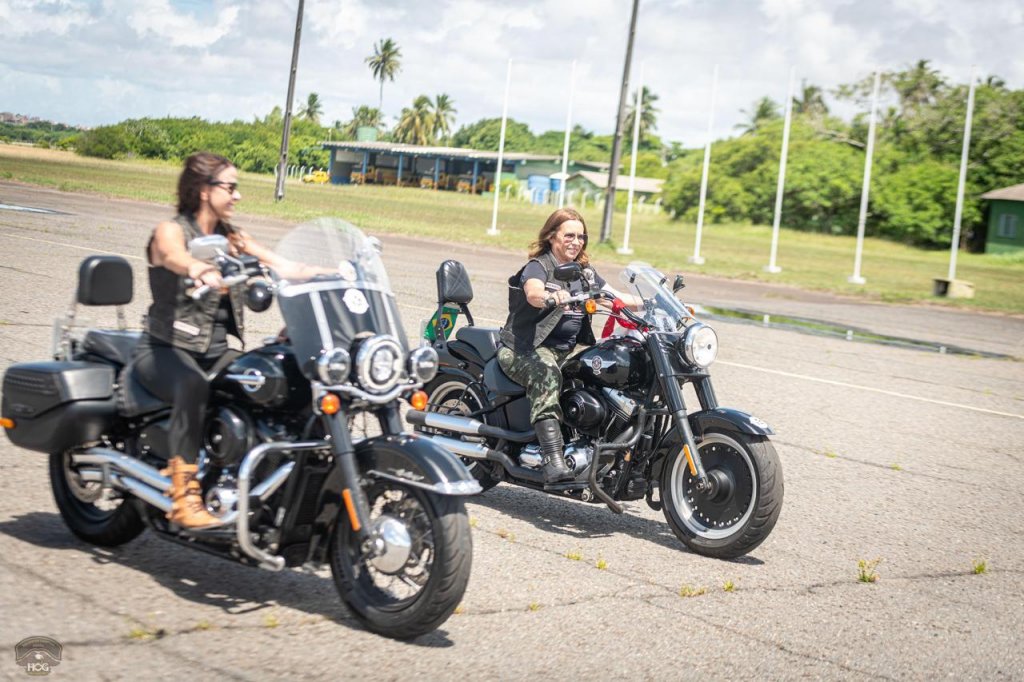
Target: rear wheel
point(744, 500)
point(452, 395)
point(417, 581)
point(98, 516)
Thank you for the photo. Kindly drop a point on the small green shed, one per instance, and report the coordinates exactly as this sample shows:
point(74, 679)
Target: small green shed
point(1005, 219)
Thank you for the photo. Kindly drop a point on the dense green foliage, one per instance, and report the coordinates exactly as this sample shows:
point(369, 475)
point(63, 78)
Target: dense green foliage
point(915, 168)
point(42, 133)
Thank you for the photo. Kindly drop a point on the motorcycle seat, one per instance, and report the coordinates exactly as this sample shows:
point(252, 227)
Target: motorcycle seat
point(111, 344)
point(496, 381)
point(133, 400)
point(484, 340)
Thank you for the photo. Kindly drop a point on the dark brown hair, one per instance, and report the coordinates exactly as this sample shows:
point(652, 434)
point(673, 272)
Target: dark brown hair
point(200, 170)
point(551, 225)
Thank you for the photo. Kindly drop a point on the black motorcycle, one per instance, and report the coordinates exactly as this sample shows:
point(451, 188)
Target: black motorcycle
point(627, 432)
point(279, 466)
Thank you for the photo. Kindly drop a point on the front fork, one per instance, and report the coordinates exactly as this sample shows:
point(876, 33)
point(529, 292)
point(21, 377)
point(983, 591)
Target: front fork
point(673, 395)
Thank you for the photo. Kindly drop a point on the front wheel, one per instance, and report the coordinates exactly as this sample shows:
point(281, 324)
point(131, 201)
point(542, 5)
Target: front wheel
point(95, 515)
point(415, 583)
point(742, 504)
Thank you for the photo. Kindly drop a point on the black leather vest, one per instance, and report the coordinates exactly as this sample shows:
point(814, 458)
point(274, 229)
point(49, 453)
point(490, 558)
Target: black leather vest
point(527, 326)
point(174, 317)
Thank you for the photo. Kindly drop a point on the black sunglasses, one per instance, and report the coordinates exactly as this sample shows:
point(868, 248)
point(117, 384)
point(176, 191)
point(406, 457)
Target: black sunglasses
point(231, 187)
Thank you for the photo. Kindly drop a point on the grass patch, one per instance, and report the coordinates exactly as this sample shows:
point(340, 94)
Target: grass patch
point(574, 555)
point(980, 566)
point(687, 591)
point(533, 606)
point(895, 273)
point(729, 586)
point(602, 565)
point(271, 620)
point(866, 572)
point(141, 633)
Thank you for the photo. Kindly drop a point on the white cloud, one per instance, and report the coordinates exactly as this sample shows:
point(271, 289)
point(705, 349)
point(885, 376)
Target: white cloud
point(55, 18)
point(157, 18)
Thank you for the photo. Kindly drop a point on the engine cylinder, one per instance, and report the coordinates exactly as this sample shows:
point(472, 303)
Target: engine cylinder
point(583, 411)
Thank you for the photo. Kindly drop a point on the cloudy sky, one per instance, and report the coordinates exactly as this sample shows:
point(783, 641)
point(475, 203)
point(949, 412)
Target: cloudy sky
point(91, 62)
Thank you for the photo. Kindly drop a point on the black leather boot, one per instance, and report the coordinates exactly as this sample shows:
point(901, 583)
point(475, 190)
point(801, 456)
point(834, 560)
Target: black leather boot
point(549, 435)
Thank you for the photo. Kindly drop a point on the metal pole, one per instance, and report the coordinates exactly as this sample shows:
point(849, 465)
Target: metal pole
point(955, 246)
point(565, 145)
point(282, 163)
point(613, 171)
point(856, 278)
point(696, 258)
point(772, 267)
point(638, 111)
point(501, 152)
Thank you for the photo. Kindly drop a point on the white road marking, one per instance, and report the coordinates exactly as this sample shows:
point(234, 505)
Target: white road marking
point(872, 389)
point(90, 249)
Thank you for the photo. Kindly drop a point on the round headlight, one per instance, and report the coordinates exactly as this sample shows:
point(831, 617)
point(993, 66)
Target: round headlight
point(423, 363)
point(700, 345)
point(379, 363)
point(333, 366)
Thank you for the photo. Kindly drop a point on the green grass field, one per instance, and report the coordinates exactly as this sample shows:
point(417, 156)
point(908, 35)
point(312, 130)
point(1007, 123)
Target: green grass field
point(811, 261)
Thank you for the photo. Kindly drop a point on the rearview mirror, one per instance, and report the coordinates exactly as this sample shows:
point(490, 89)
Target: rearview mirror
point(568, 272)
point(208, 247)
point(678, 284)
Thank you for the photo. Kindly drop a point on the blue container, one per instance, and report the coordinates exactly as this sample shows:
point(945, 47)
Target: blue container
point(556, 185)
point(538, 182)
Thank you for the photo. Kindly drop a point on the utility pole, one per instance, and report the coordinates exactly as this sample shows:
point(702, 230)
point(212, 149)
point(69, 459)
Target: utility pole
point(282, 164)
point(613, 171)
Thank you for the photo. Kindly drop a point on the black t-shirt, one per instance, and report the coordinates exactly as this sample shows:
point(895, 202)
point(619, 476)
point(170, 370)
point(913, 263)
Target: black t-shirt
point(563, 336)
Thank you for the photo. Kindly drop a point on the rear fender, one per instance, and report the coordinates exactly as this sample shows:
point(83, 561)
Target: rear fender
point(416, 461)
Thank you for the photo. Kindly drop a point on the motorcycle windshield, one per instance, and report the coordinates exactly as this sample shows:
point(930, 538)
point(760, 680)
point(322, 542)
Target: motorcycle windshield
point(663, 311)
point(333, 289)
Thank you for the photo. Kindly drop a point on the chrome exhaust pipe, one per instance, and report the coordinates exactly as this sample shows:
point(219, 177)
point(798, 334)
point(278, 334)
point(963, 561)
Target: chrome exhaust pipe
point(462, 448)
point(467, 425)
point(127, 467)
point(149, 495)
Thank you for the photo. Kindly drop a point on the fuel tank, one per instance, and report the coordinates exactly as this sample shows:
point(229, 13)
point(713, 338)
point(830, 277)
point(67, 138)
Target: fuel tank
point(620, 363)
point(283, 385)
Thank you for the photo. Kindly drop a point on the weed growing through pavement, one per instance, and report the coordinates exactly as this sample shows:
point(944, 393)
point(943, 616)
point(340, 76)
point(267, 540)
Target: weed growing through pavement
point(140, 633)
point(866, 572)
point(895, 467)
point(729, 586)
point(506, 535)
point(602, 564)
point(473, 523)
point(574, 554)
point(534, 606)
point(830, 454)
point(459, 610)
point(270, 621)
point(690, 591)
point(980, 566)
point(203, 625)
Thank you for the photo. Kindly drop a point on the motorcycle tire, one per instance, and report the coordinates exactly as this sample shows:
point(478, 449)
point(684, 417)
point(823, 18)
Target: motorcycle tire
point(86, 509)
point(441, 391)
point(439, 560)
point(744, 502)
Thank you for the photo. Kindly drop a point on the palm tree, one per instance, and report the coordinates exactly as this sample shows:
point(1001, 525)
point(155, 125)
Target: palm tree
point(364, 117)
point(384, 64)
point(765, 109)
point(312, 109)
point(444, 116)
point(416, 124)
point(648, 116)
point(811, 100)
point(919, 87)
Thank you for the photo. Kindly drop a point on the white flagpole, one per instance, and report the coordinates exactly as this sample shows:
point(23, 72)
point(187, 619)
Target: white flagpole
point(638, 110)
point(565, 145)
point(955, 246)
point(856, 278)
point(696, 258)
point(501, 152)
point(772, 267)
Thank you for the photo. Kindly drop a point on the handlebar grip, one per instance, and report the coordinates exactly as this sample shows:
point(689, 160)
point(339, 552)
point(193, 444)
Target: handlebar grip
point(200, 292)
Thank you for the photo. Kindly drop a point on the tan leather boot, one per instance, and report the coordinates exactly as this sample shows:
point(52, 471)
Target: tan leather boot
point(187, 508)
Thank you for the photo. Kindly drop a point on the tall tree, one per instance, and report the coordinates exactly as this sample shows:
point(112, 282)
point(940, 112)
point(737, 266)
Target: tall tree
point(444, 117)
point(416, 123)
point(648, 117)
point(764, 110)
point(312, 109)
point(811, 100)
point(384, 63)
point(364, 117)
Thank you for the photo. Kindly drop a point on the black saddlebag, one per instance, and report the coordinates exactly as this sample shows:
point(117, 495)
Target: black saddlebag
point(58, 405)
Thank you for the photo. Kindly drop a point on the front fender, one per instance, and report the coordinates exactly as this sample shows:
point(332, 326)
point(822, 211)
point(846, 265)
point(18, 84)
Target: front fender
point(729, 419)
point(416, 461)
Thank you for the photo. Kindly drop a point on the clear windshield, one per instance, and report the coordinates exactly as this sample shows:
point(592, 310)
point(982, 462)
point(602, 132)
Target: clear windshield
point(333, 289)
point(663, 311)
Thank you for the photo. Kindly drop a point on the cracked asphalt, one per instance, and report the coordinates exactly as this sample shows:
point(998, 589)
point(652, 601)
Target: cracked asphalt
point(910, 458)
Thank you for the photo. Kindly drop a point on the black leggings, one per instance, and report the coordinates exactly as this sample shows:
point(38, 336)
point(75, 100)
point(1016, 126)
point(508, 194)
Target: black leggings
point(178, 377)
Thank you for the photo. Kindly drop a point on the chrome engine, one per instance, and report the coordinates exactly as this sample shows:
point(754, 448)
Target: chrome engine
point(577, 455)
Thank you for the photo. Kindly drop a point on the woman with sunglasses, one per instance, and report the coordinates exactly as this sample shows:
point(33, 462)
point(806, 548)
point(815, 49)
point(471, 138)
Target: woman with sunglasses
point(536, 339)
point(186, 340)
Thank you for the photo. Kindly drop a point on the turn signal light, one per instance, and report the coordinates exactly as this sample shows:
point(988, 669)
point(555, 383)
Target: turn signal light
point(590, 306)
point(418, 400)
point(330, 404)
point(9, 423)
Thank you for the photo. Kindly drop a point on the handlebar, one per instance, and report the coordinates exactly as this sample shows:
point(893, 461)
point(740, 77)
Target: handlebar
point(550, 301)
point(231, 281)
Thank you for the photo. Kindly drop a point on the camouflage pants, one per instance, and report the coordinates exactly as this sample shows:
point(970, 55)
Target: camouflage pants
point(539, 373)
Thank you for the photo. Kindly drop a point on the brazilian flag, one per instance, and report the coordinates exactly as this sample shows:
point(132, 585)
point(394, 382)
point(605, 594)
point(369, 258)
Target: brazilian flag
point(448, 317)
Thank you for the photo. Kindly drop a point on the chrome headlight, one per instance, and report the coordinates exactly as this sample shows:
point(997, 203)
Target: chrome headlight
point(379, 363)
point(699, 345)
point(423, 364)
point(333, 366)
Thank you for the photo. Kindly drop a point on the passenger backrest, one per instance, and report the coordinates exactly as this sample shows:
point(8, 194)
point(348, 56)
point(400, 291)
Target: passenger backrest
point(105, 280)
point(453, 286)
